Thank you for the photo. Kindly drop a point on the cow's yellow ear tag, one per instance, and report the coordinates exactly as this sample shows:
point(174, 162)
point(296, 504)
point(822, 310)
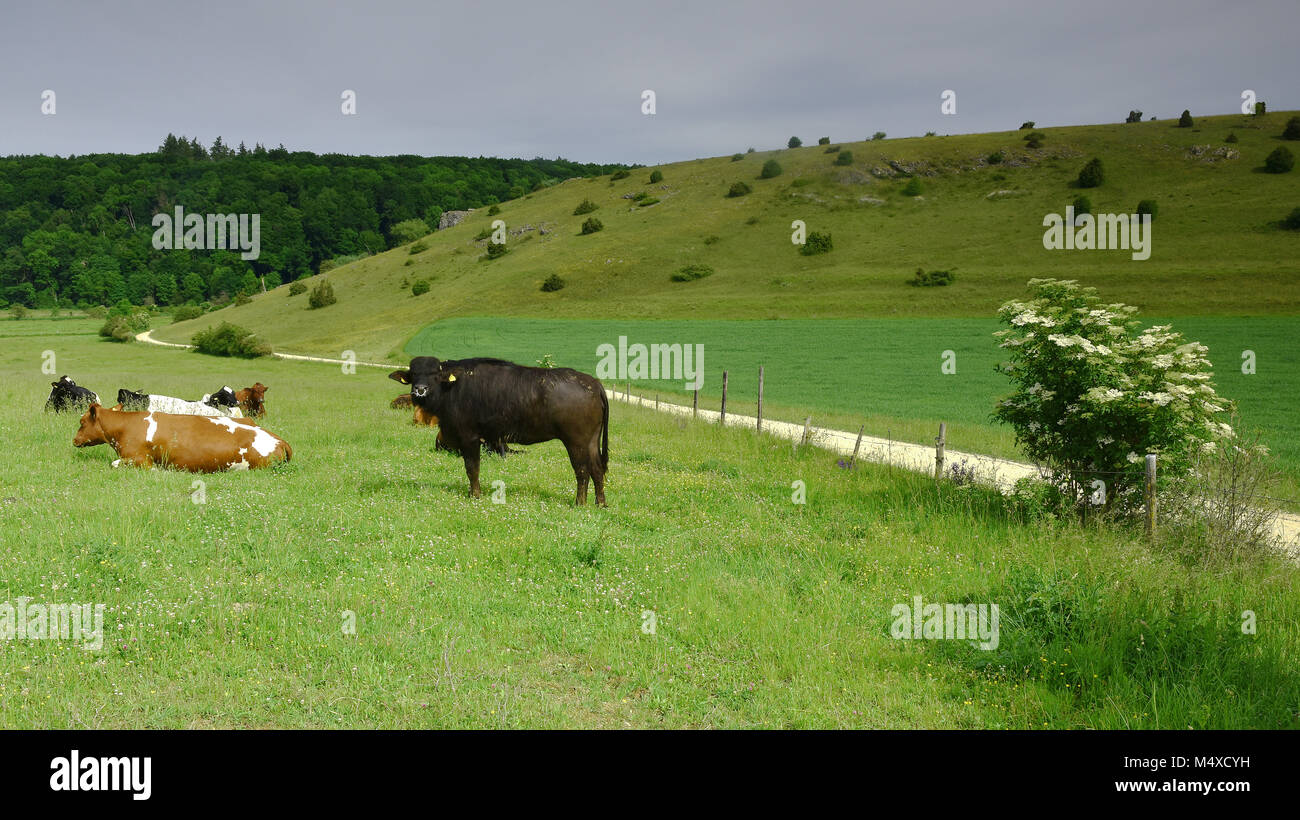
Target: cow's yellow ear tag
point(452, 377)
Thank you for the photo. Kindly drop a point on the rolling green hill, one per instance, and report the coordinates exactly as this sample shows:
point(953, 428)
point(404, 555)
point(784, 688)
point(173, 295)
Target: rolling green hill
point(1217, 247)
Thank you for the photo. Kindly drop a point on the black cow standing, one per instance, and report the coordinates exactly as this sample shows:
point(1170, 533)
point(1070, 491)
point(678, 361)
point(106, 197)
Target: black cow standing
point(495, 401)
point(68, 395)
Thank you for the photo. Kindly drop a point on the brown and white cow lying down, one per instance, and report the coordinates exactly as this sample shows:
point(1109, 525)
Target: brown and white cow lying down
point(200, 444)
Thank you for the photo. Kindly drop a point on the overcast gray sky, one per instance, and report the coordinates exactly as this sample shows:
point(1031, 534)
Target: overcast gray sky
point(564, 78)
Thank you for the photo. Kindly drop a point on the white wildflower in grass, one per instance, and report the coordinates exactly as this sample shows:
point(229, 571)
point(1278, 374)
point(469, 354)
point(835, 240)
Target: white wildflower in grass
point(1098, 392)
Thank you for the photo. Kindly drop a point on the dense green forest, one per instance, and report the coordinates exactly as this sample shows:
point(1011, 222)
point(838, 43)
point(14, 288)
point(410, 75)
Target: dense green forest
point(77, 231)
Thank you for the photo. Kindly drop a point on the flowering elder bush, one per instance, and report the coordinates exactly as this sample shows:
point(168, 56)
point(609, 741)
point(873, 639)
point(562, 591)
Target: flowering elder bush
point(1094, 393)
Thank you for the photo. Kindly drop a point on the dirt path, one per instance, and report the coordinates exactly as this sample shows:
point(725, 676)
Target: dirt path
point(1000, 472)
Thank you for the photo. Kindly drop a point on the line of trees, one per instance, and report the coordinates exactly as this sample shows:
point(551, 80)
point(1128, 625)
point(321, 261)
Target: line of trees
point(77, 231)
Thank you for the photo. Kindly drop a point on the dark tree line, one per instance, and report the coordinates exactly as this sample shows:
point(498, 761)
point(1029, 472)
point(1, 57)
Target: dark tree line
point(77, 230)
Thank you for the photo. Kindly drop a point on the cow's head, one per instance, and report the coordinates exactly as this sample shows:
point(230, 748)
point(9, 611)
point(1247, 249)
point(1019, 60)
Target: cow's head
point(130, 399)
point(90, 432)
point(225, 397)
point(430, 379)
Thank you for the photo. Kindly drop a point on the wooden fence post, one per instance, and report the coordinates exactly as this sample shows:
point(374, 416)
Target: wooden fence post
point(722, 416)
point(1151, 495)
point(807, 421)
point(856, 445)
point(695, 404)
point(656, 401)
point(759, 425)
point(940, 444)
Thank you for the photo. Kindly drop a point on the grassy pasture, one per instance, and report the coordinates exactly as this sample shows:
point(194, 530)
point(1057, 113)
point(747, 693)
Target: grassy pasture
point(1216, 247)
point(883, 372)
point(530, 613)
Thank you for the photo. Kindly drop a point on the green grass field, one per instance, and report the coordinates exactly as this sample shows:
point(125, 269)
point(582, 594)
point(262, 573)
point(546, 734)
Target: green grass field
point(884, 373)
point(529, 613)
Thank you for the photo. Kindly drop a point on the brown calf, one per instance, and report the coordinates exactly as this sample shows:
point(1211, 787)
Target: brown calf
point(250, 400)
point(200, 444)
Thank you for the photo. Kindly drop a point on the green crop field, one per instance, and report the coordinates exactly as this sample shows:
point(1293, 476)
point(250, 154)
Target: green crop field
point(884, 373)
point(701, 597)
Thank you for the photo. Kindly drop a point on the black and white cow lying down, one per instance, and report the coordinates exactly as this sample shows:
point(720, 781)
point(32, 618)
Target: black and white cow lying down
point(68, 395)
point(220, 403)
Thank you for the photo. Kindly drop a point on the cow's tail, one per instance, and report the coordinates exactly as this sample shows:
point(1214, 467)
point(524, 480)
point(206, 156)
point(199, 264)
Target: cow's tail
point(604, 431)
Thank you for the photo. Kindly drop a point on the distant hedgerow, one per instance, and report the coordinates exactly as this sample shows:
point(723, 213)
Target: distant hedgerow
point(553, 283)
point(586, 206)
point(229, 340)
point(816, 243)
point(592, 225)
point(771, 169)
point(1092, 174)
point(738, 189)
point(322, 296)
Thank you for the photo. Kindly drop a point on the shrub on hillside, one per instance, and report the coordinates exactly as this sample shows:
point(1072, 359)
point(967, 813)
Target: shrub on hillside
point(1092, 174)
point(409, 230)
point(1185, 121)
point(823, 140)
point(592, 225)
point(692, 272)
point(297, 287)
point(494, 210)
point(738, 189)
point(1093, 393)
point(418, 247)
point(114, 328)
point(879, 135)
point(1280, 161)
point(737, 157)
point(186, 312)
point(1082, 205)
point(844, 158)
point(933, 279)
point(586, 206)
point(794, 142)
point(648, 201)
point(834, 149)
point(229, 340)
point(656, 176)
point(96, 312)
point(995, 158)
point(1231, 138)
point(553, 283)
point(419, 287)
point(1292, 222)
point(912, 188)
point(1027, 125)
point(1260, 108)
point(1148, 206)
point(242, 298)
point(1133, 116)
point(771, 169)
point(322, 296)
point(1292, 130)
point(816, 242)
point(624, 174)
point(496, 250)
point(1034, 139)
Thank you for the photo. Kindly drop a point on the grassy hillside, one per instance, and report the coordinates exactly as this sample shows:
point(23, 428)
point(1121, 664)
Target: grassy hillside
point(1216, 247)
point(229, 613)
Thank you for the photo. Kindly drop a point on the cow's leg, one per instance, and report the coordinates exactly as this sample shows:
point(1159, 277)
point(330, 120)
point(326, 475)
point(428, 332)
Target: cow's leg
point(470, 453)
point(581, 471)
point(597, 471)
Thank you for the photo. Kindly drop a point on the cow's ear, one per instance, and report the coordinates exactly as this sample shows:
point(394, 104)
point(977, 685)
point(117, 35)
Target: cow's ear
point(402, 376)
point(447, 376)
point(94, 411)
